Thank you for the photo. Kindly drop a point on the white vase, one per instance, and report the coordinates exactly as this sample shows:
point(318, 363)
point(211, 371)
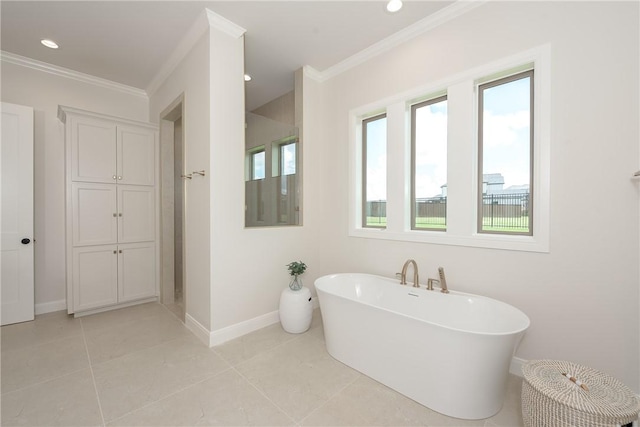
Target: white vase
point(296, 310)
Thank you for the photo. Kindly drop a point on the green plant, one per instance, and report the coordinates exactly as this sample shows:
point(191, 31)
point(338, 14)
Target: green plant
point(296, 268)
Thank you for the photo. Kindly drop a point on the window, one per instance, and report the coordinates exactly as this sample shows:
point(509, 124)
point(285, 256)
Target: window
point(257, 164)
point(374, 171)
point(288, 158)
point(284, 167)
point(468, 164)
point(505, 155)
point(429, 164)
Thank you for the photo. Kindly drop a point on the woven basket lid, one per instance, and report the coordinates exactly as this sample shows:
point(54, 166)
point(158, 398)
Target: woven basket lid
point(604, 395)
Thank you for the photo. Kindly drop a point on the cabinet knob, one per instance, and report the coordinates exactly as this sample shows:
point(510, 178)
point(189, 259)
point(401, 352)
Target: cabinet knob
point(114, 177)
point(120, 214)
point(120, 251)
point(119, 177)
point(25, 241)
point(115, 252)
point(115, 215)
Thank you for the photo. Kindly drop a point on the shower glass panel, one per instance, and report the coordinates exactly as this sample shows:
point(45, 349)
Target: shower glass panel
point(272, 173)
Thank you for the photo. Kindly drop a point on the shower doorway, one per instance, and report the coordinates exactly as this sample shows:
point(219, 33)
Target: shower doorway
point(172, 148)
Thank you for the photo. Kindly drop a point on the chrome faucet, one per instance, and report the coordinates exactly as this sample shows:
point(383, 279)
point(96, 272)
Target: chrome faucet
point(443, 281)
point(403, 275)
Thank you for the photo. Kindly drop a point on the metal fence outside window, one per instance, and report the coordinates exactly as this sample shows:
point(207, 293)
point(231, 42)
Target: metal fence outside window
point(505, 211)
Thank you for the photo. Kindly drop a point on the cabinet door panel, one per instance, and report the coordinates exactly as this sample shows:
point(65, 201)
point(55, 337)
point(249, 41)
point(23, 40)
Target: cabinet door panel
point(94, 214)
point(136, 155)
point(93, 150)
point(136, 213)
point(95, 277)
point(136, 271)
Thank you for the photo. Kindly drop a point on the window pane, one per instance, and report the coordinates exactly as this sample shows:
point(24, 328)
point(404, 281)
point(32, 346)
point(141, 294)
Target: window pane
point(288, 159)
point(257, 165)
point(505, 155)
point(429, 133)
point(375, 171)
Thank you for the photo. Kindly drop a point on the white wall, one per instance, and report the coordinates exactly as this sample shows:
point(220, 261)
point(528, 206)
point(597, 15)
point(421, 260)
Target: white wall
point(191, 78)
point(582, 296)
point(44, 92)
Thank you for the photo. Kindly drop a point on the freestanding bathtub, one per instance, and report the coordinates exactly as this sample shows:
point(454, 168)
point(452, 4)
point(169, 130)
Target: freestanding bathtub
point(448, 352)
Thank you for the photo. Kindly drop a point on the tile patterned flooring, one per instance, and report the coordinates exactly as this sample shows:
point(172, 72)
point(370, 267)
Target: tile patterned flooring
point(139, 366)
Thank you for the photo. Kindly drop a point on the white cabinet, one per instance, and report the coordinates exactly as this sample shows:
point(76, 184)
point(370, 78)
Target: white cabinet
point(112, 274)
point(136, 213)
point(136, 271)
point(95, 214)
point(111, 211)
point(95, 276)
point(105, 151)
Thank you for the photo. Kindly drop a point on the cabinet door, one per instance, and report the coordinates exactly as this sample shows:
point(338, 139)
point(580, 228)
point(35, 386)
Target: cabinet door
point(95, 277)
point(94, 214)
point(93, 150)
point(136, 213)
point(136, 271)
point(136, 155)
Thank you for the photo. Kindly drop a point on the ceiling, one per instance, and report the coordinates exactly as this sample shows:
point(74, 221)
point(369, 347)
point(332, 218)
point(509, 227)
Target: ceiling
point(128, 41)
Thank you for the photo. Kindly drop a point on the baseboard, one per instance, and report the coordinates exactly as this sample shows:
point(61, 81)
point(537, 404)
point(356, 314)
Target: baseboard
point(239, 329)
point(213, 338)
point(516, 366)
point(198, 330)
point(50, 307)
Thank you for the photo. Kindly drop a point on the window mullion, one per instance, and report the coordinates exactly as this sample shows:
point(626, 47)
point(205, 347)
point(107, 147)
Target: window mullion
point(461, 165)
point(398, 167)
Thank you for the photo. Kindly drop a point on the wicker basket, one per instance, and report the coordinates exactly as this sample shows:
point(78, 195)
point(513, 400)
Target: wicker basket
point(556, 393)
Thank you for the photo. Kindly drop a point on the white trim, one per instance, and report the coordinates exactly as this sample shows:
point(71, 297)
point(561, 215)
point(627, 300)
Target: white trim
point(313, 74)
point(12, 58)
point(50, 307)
point(114, 307)
point(432, 21)
point(191, 37)
point(221, 23)
point(206, 20)
point(463, 232)
point(223, 335)
point(217, 337)
point(198, 330)
point(516, 365)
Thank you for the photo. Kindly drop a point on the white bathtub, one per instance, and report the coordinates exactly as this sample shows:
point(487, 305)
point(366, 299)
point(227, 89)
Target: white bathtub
point(448, 352)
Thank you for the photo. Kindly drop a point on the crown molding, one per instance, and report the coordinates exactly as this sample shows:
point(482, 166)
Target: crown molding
point(191, 37)
point(312, 73)
point(206, 20)
point(442, 16)
point(223, 24)
point(12, 58)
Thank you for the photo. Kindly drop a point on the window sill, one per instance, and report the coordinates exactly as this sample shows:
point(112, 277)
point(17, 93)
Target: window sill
point(487, 241)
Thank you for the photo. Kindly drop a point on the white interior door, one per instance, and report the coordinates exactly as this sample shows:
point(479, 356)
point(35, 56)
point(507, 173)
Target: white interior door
point(16, 214)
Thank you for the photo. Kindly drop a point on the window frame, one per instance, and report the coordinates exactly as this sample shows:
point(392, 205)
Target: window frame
point(461, 158)
point(252, 168)
point(365, 121)
point(481, 87)
point(414, 107)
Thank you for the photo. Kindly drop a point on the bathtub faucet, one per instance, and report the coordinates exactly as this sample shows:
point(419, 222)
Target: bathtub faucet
point(443, 281)
point(403, 275)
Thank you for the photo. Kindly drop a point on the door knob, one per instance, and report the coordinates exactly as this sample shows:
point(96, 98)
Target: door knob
point(25, 241)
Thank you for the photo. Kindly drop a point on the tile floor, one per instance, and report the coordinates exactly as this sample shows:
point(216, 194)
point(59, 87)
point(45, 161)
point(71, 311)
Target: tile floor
point(140, 366)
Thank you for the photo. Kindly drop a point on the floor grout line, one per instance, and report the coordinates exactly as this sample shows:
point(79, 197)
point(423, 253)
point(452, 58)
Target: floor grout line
point(93, 378)
point(334, 395)
point(229, 368)
point(265, 396)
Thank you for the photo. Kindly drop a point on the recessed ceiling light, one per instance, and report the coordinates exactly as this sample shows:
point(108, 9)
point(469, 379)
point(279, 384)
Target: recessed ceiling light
point(394, 5)
point(49, 43)
point(247, 78)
